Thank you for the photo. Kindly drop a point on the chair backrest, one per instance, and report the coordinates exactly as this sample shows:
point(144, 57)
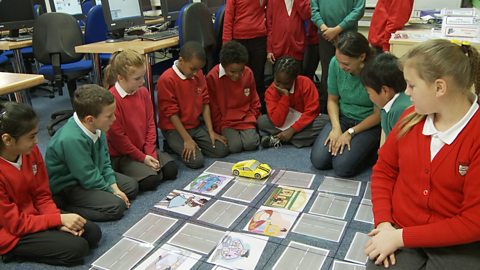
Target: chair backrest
point(95, 27)
point(86, 6)
point(38, 10)
point(56, 34)
point(195, 24)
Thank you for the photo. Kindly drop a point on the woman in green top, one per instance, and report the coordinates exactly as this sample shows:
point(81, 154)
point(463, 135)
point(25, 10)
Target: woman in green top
point(350, 141)
point(333, 17)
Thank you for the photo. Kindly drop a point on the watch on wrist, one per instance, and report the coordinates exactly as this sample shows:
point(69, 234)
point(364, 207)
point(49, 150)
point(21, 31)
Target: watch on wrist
point(351, 131)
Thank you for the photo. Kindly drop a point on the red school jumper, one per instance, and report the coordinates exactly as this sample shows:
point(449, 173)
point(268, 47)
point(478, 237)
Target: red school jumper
point(26, 204)
point(244, 19)
point(183, 97)
point(304, 99)
point(133, 132)
point(233, 104)
point(437, 203)
point(286, 34)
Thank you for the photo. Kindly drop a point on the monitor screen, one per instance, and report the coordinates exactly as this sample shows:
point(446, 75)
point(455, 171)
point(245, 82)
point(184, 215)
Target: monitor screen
point(121, 14)
point(171, 8)
point(72, 7)
point(213, 5)
point(16, 14)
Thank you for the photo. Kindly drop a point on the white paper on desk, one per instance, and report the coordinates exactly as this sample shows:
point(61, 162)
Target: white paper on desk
point(292, 117)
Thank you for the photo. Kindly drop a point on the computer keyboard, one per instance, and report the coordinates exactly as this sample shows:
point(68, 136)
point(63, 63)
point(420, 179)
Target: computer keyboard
point(161, 34)
point(19, 38)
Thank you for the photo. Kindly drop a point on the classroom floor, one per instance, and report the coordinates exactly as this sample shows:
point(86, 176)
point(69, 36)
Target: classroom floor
point(284, 158)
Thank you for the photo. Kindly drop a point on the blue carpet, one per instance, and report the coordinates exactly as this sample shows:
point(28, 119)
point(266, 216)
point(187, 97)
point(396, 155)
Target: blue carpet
point(285, 157)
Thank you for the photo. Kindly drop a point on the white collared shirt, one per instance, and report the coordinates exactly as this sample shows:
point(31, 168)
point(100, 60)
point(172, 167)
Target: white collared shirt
point(17, 164)
point(292, 90)
point(439, 139)
point(221, 71)
point(289, 6)
point(121, 91)
point(389, 104)
point(93, 136)
point(177, 71)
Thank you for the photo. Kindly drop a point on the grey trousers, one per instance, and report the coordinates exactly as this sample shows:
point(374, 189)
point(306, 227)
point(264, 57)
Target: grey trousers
point(97, 205)
point(305, 137)
point(238, 140)
point(445, 258)
point(200, 136)
point(138, 170)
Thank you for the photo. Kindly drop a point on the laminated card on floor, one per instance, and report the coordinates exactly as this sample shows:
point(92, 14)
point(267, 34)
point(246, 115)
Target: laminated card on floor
point(330, 205)
point(170, 257)
point(208, 183)
point(222, 213)
point(341, 265)
point(150, 228)
point(270, 221)
point(340, 186)
point(364, 212)
point(356, 251)
point(196, 238)
point(243, 191)
point(296, 179)
point(123, 255)
point(301, 256)
point(238, 250)
point(320, 227)
point(290, 198)
point(182, 202)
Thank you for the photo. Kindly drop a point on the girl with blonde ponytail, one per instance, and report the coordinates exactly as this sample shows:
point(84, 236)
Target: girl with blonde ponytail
point(425, 185)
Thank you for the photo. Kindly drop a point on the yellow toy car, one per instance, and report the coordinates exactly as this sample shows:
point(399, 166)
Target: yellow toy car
point(252, 169)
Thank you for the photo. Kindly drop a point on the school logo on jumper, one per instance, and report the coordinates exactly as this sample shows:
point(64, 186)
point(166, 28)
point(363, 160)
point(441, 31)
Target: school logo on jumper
point(462, 168)
point(199, 90)
point(34, 169)
point(246, 92)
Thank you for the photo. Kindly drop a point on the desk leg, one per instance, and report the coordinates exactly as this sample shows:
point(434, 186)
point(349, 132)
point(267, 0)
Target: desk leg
point(149, 84)
point(97, 68)
point(22, 96)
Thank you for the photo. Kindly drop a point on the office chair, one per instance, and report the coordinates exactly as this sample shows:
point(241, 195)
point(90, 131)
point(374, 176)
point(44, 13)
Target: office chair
point(218, 30)
point(86, 6)
point(96, 30)
point(54, 47)
point(3, 58)
point(195, 24)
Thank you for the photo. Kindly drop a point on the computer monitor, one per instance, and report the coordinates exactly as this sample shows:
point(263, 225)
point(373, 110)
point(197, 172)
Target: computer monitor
point(146, 5)
point(16, 14)
point(171, 8)
point(121, 14)
point(213, 5)
point(72, 7)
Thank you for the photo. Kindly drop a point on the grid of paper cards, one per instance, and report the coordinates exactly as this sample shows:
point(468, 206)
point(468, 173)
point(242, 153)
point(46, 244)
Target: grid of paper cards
point(291, 220)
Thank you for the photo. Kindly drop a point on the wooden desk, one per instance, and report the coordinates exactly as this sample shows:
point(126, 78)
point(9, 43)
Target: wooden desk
point(400, 46)
point(12, 82)
point(18, 65)
point(143, 47)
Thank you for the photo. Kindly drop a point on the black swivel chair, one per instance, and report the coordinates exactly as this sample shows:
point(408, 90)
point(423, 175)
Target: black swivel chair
point(55, 36)
point(195, 24)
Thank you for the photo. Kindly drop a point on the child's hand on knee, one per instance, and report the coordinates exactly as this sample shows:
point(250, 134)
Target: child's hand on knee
point(73, 222)
point(152, 162)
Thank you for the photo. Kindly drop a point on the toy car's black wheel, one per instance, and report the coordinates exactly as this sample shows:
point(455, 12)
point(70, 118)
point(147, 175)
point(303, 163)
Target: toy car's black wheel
point(257, 176)
point(236, 173)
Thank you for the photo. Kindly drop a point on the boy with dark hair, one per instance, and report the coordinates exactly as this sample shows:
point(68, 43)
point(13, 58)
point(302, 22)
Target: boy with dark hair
point(182, 98)
point(384, 82)
point(81, 176)
point(234, 100)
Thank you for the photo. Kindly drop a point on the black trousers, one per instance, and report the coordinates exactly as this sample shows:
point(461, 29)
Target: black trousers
point(55, 247)
point(97, 205)
point(257, 56)
point(326, 51)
